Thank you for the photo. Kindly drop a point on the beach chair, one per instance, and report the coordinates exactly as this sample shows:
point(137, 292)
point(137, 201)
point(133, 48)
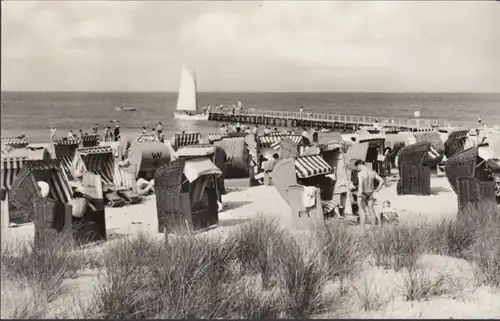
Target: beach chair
point(369, 149)
point(91, 227)
point(480, 163)
point(268, 140)
point(216, 154)
point(147, 157)
point(287, 147)
point(437, 147)
point(457, 141)
point(11, 165)
point(14, 142)
point(119, 183)
point(293, 177)
point(186, 196)
point(334, 155)
point(472, 192)
point(212, 138)
point(185, 139)
point(52, 214)
point(239, 167)
point(65, 152)
point(414, 176)
point(90, 141)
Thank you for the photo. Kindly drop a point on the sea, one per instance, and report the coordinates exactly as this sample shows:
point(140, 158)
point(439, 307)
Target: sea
point(33, 113)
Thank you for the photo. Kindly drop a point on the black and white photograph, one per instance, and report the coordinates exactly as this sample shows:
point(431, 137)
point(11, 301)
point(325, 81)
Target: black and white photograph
point(237, 159)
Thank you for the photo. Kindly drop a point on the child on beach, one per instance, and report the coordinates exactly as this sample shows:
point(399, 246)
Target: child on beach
point(387, 213)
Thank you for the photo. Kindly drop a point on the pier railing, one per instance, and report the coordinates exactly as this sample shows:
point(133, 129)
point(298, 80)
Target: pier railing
point(346, 119)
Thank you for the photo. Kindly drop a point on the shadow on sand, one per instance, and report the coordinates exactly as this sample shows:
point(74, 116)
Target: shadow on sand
point(232, 221)
point(436, 190)
point(233, 205)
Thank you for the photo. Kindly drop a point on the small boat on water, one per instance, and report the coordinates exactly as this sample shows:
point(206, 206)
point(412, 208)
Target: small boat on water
point(187, 101)
point(119, 108)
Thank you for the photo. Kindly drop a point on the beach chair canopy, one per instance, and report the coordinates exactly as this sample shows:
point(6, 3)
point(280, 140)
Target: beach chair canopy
point(11, 166)
point(215, 137)
point(457, 141)
point(66, 141)
point(147, 138)
point(431, 137)
point(99, 160)
point(25, 189)
point(64, 150)
point(202, 166)
point(181, 140)
point(267, 141)
point(14, 142)
point(114, 145)
point(238, 157)
point(416, 153)
point(14, 160)
point(311, 165)
point(90, 140)
point(196, 151)
point(147, 157)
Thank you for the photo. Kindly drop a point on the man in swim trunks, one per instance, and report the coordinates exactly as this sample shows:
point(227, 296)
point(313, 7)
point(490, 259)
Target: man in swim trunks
point(366, 191)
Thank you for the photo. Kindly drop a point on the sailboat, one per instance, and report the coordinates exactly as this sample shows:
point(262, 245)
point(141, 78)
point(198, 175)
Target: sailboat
point(187, 102)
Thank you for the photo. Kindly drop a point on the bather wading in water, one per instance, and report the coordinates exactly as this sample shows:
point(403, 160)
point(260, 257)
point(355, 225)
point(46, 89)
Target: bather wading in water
point(366, 191)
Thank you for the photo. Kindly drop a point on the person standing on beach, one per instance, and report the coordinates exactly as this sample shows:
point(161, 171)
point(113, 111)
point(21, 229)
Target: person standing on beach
point(117, 133)
point(366, 191)
point(159, 130)
point(106, 134)
point(80, 135)
point(52, 133)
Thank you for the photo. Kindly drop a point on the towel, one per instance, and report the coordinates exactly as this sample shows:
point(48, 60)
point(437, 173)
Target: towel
point(309, 196)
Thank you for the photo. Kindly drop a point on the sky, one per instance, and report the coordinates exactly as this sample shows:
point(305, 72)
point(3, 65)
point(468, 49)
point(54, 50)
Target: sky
point(383, 46)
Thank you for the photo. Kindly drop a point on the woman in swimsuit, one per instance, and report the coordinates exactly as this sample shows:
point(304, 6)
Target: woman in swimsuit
point(366, 191)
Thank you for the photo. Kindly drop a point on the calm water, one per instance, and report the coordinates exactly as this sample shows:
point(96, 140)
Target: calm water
point(32, 113)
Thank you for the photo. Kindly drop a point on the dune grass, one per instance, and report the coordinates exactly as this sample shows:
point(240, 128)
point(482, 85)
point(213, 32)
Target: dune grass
point(259, 270)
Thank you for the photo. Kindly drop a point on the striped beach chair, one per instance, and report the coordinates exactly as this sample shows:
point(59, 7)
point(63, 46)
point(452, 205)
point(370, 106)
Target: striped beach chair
point(186, 139)
point(212, 138)
point(120, 183)
point(291, 176)
point(14, 142)
point(24, 190)
point(65, 153)
point(268, 141)
point(90, 140)
point(11, 166)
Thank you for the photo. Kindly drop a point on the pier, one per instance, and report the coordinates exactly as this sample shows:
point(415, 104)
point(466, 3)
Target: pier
point(329, 121)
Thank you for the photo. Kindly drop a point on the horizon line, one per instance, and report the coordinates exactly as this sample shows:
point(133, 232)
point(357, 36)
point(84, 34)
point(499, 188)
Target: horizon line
point(252, 92)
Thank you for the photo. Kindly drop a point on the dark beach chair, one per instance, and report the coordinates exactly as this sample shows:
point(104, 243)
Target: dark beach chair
point(455, 143)
point(90, 141)
point(186, 203)
point(414, 176)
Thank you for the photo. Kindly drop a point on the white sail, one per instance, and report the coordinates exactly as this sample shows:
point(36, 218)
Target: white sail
point(186, 100)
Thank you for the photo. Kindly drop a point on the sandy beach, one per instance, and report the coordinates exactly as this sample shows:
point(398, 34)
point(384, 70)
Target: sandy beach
point(246, 204)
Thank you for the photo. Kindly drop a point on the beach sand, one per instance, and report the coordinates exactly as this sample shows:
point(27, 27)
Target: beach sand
point(244, 204)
